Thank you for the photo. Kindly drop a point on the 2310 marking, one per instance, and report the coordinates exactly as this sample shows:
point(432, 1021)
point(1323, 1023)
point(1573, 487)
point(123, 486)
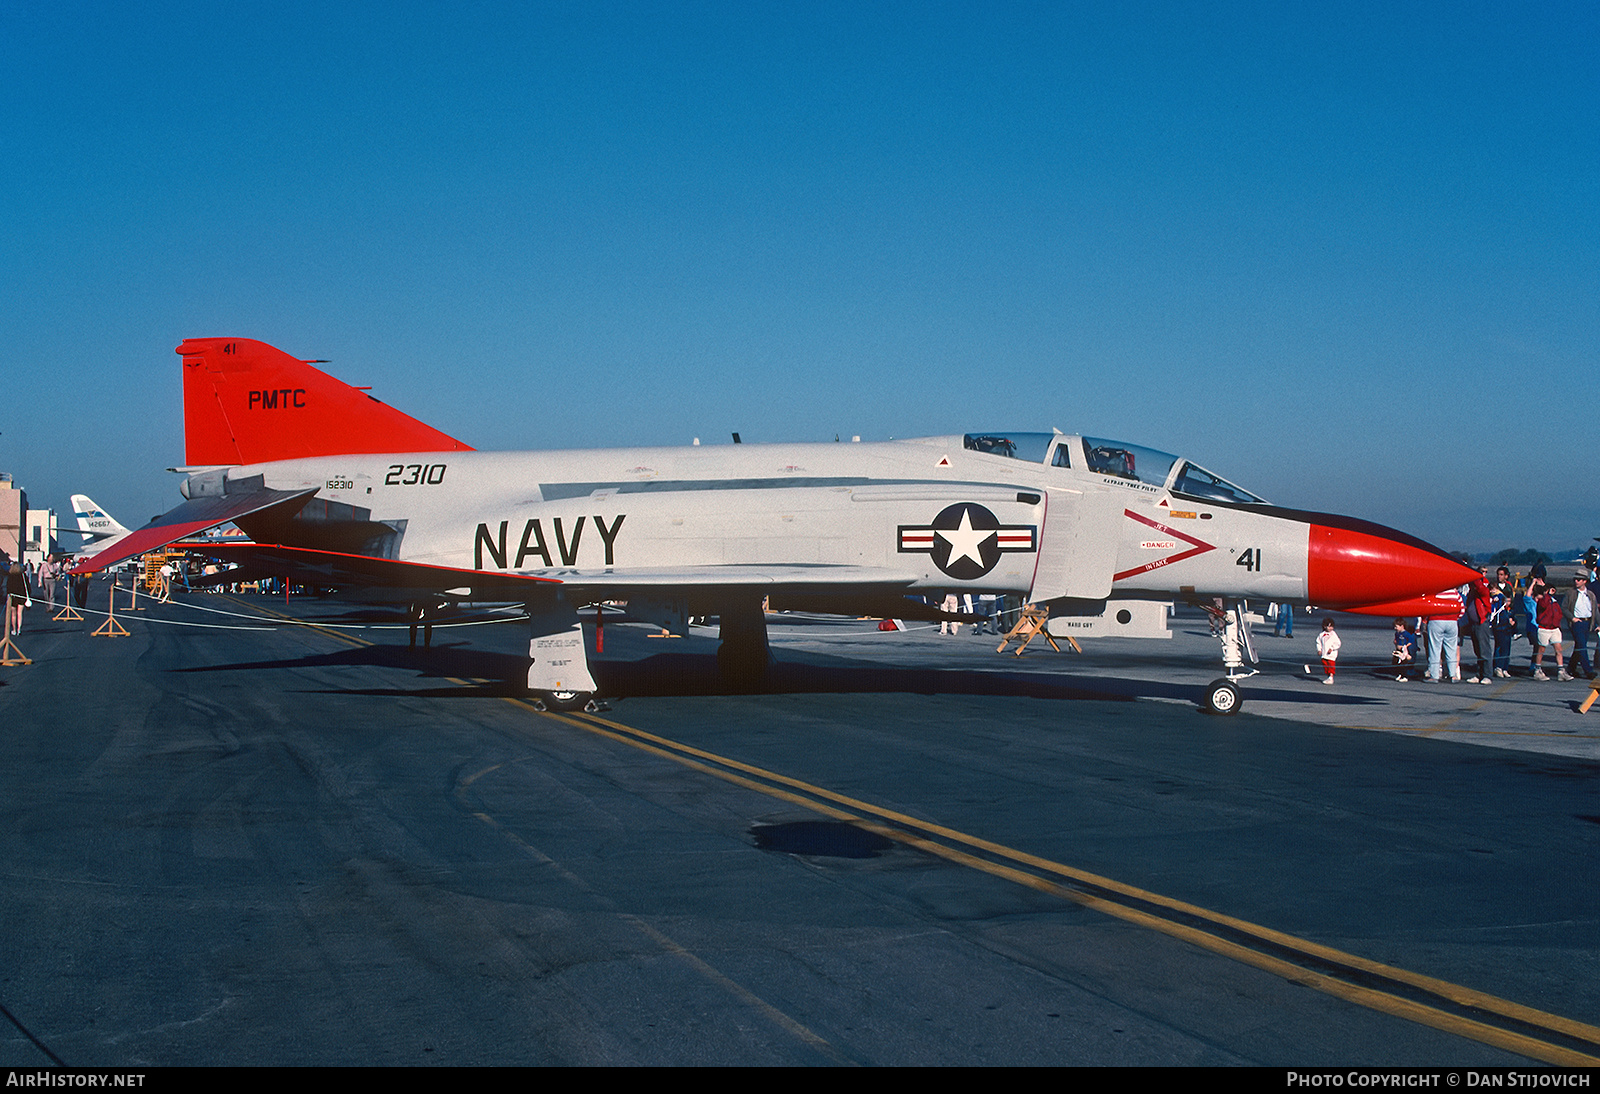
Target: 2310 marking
point(414, 474)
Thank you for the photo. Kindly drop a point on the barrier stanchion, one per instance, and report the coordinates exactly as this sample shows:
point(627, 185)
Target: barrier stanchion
point(111, 628)
point(10, 654)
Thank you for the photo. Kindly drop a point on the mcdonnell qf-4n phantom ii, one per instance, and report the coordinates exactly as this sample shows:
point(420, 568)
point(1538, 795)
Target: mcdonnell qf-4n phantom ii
point(338, 489)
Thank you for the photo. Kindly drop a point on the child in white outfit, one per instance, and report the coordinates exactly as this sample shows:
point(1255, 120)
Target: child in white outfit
point(1328, 649)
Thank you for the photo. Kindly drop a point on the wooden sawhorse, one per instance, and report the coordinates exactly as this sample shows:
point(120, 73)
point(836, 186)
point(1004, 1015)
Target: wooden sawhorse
point(1030, 625)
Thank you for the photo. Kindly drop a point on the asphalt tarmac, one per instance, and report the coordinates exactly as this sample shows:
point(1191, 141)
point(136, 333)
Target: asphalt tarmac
point(231, 839)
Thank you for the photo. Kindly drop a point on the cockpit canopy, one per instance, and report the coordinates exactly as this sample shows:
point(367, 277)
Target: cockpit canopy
point(1115, 459)
point(1027, 447)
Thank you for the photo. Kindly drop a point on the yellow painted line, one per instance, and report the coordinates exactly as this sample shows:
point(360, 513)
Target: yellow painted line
point(1479, 705)
point(777, 1017)
point(1438, 727)
point(1368, 997)
point(1371, 998)
point(718, 767)
point(807, 795)
point(1445, 726)
point(668, 753)
point(317, 629)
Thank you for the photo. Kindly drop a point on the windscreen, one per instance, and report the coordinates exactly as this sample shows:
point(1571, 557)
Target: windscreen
point(1197, 482)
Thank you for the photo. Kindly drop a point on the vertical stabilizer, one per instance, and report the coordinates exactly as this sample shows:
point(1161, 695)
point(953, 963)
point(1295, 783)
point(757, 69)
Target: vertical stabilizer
point(246, 402)
point(94, 522)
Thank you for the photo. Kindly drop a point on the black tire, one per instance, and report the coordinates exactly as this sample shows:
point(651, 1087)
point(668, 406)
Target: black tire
point(1222, 697)
point(567, 700)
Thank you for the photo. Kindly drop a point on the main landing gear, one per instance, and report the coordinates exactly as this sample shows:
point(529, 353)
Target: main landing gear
point(558, 661)
point(558, 664)
point(743, 657)
point(1222, 695)
point(565, 701)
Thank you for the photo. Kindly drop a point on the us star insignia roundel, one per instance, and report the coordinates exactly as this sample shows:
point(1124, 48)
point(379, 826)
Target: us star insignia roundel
point(966, 540)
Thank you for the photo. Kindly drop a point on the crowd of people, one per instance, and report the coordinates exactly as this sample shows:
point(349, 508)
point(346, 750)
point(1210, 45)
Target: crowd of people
point(52, 583)
point(1493, 612)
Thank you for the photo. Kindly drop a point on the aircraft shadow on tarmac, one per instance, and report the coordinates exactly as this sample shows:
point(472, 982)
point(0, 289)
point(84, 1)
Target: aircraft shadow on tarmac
point(477, 673)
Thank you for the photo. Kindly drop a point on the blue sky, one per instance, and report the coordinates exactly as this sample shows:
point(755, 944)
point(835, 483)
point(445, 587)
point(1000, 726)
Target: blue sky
point(1343, 254)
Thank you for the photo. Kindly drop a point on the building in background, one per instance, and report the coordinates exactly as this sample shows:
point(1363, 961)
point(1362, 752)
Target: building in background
point(40, 539)
point(13, 508)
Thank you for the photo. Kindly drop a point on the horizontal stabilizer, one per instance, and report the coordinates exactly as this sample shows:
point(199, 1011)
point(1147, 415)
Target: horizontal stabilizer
point(190, 519)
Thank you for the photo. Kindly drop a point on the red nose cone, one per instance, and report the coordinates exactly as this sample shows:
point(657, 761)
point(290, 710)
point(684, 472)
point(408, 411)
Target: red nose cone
point(1375, 565)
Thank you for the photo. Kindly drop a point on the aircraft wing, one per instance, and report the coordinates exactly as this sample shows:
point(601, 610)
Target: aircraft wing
point(191, 518)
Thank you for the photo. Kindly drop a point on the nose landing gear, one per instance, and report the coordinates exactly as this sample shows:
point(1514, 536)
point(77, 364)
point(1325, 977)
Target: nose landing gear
point(1222, 695)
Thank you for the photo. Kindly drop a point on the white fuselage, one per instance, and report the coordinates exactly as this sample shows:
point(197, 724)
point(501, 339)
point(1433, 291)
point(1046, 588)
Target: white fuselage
point(929, 512)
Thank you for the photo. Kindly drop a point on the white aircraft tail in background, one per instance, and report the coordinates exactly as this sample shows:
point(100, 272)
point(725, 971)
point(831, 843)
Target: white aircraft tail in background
point(94, 522)
point(100, 530)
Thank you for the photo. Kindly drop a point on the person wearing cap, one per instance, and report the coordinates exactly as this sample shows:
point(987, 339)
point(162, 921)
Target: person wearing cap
point(1579, 607)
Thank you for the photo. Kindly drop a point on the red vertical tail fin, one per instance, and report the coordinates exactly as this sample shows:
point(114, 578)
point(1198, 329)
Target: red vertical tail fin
point(246, 402)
